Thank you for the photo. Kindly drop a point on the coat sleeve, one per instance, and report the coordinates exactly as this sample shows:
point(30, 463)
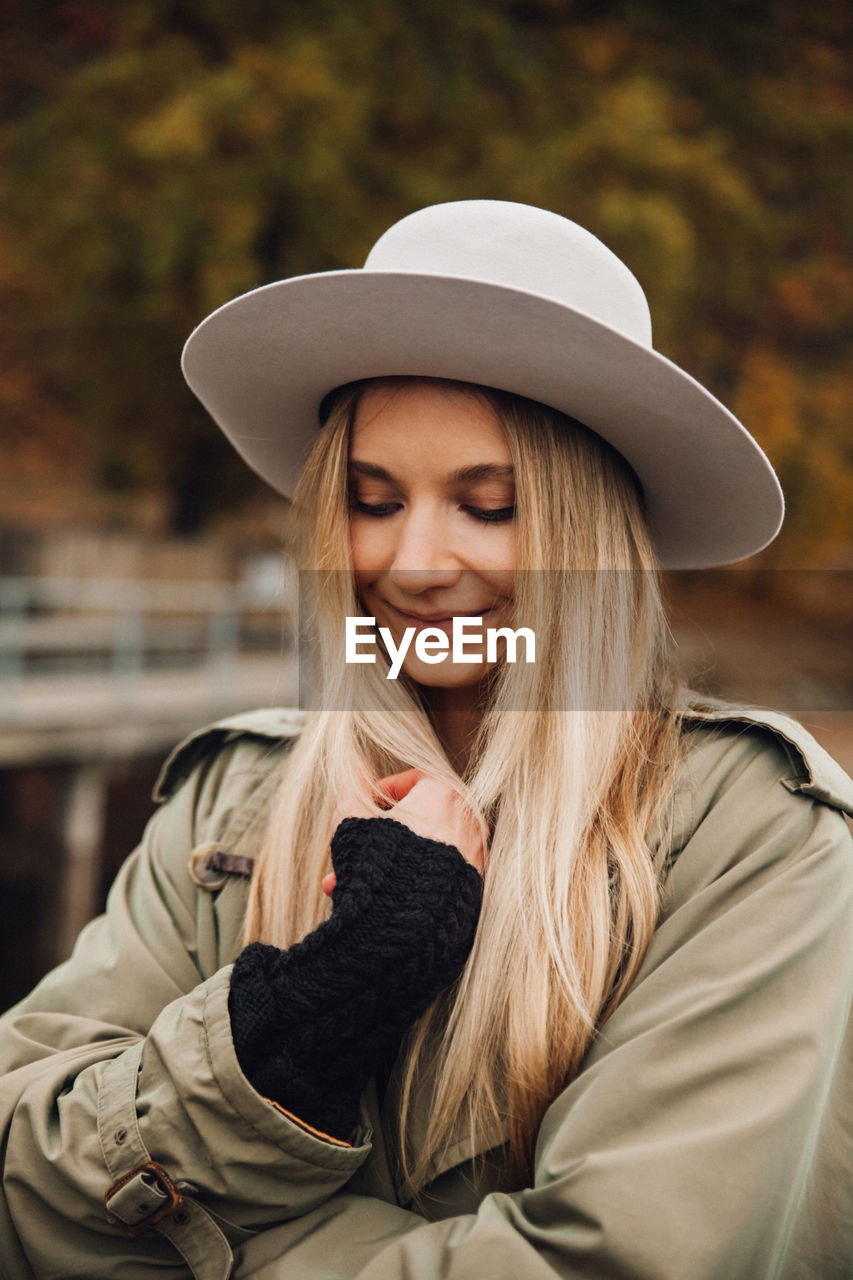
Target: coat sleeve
point(689, 1143)
point(120, 1081)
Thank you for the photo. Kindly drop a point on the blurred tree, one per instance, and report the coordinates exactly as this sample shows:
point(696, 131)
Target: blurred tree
point(160, 157)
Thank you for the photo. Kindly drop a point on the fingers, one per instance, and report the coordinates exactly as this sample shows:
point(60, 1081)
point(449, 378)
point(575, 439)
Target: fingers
point(386, 791)
point(428, 806)
point(395, 786)
point(436, 810)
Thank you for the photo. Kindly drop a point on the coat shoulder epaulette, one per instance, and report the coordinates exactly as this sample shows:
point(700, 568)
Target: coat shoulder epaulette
point(814, 772)
point(271, 724)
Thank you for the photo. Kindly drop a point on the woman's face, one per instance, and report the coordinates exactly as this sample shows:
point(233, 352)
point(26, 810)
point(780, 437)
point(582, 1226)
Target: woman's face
point(432, 518)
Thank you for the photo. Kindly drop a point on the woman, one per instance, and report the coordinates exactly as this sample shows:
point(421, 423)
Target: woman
point(567, 995)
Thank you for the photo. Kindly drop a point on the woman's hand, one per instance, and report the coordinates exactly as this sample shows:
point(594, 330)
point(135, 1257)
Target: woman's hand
point(311, 1023)
point(427, 806)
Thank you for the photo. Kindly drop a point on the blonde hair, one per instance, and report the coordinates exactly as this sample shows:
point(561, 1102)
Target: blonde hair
point(569, 769)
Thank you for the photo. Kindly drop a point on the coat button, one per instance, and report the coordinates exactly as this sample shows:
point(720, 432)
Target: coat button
point(119, 1136)
point(200, 873)
point(181, 1219)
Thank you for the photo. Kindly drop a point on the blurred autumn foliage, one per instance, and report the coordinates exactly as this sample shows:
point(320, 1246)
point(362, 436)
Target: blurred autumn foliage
point(160, 156)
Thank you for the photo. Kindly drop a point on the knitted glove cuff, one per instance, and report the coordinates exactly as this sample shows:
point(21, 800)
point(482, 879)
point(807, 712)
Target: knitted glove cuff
point(310, 1024)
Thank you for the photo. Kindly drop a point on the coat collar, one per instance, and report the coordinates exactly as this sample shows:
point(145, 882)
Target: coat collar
point(814, 772)
point(275, 724)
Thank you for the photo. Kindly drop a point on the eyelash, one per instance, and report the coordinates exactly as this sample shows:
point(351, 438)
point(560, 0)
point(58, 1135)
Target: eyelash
point(486, 516)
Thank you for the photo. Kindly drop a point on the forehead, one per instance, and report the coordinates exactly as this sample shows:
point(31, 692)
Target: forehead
point(426, 418)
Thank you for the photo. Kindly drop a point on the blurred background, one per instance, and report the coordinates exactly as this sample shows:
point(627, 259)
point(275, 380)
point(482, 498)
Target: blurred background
point(160, 157)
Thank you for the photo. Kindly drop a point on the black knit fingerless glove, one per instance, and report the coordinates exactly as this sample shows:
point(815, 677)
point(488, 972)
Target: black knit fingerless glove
point(311, 1024)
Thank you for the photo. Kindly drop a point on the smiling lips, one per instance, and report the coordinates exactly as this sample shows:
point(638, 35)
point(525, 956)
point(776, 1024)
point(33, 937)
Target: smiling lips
point(443, 621)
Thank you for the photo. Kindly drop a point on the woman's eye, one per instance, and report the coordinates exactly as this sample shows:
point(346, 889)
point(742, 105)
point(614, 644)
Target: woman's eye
point(373, 508)
point(380, 509)
point(491, 513)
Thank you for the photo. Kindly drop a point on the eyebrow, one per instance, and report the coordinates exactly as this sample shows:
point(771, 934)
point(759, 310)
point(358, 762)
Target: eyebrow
point(463, 475)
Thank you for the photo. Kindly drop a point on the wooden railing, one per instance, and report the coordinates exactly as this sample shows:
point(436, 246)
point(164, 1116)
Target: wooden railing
point(121, 630)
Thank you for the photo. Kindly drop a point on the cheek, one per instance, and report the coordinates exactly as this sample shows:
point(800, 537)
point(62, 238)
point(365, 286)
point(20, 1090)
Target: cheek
point(359, 545)
point(368, 547)
point(495, 555)
point(498, 571)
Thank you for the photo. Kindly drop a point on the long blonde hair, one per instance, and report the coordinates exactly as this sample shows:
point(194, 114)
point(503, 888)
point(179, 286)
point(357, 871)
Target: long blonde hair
point(570, 768)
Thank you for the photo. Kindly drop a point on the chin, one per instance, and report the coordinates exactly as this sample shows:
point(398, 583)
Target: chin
point(447, 676)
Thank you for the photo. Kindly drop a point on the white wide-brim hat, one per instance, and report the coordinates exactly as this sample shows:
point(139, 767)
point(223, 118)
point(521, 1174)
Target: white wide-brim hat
point(508, 296)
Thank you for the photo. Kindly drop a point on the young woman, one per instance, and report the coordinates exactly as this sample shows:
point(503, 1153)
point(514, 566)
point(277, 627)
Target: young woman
point(507, 960)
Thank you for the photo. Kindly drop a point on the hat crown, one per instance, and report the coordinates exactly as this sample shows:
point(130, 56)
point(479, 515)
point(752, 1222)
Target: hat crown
point(519, 247)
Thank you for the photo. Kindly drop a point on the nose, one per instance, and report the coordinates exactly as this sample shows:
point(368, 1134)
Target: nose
point(424, 556)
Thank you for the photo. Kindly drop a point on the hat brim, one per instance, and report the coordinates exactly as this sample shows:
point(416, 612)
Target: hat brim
point(262, 363)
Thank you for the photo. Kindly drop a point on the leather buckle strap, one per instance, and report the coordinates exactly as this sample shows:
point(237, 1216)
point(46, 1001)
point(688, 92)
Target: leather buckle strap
point(142, 1198)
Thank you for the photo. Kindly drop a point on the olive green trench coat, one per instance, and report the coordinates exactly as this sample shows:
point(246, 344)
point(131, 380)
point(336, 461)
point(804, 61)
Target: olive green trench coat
point(707, 1136)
